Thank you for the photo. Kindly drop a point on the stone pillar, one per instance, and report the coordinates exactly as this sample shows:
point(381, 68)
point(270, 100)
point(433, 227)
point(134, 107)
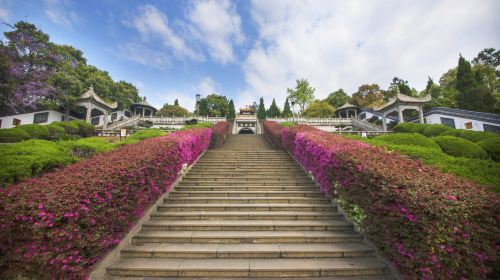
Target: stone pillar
point(384, 122)
point(421, 114)
point(355, 113)
point(143, 111)
point(89, 113)
point(400, 113)
point(105, 119)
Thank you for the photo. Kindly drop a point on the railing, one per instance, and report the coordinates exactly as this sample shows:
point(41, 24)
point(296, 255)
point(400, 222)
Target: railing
point(162, 121)
point(361, 133)
point(364, 125)
point(124, 123)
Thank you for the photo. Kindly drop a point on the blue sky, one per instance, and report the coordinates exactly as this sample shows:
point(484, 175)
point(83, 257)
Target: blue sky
point(247, 49)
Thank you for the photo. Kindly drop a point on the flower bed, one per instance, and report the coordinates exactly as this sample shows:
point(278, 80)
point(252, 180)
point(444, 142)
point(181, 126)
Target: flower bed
point(58, 225)
point(432, 225)
point(219, 133)
point(273, 130)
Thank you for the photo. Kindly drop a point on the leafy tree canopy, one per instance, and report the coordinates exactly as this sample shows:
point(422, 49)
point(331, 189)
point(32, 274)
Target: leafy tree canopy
point(261, 112)
point(319, 109)
point(214, 105)
point(303, 93)
point(286, 109)
point(172, 111)
point(232, 112)
point(337, 98)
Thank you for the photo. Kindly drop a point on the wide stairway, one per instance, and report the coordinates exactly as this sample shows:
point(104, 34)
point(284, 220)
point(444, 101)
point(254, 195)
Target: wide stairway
point(247, 211)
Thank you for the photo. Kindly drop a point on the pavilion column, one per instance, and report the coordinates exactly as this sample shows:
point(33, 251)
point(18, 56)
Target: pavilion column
point(143, 111)
point(384, 123)
point(400, 113)
point(105, 120)
point(355, 114)
point(421, 115)
point(89, 113)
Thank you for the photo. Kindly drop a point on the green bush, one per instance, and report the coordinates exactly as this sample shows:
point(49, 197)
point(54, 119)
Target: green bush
point(432, 130)
point(56, 132)
point(413, 139)
point(287, 124)
point(12, 135)
point(29, 158)
point(471, 135)
point(87, 147)
point(203, 124)
point(459, 147)
point(35, 131)
point(409, 128)
point(85, 129)
point(492, 147)
point(71, 128)
point(143, 134)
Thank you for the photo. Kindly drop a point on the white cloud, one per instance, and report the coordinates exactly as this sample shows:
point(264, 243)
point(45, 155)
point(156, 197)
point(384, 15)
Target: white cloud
point(4, 15)
point(343, 44)
point(61, 12)
point(217, 24)
point(206, 86)
point(153, 22)
point(143, 55)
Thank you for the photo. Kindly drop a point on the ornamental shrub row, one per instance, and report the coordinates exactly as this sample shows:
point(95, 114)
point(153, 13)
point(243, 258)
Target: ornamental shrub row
point(431, 130)
point(460, 147)
point(60, 224)
point(413, 139)
point(219, 133)
point(431, 224)
point(53, 131)
point(272, 131)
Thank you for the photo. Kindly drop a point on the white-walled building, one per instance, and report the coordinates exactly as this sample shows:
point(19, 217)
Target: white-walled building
point(39, 117)
point(463, 119)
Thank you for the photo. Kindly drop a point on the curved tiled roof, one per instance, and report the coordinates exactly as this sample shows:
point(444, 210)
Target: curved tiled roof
point(90, 94)
point(347, 105)
point(472, 115)
point(143, 103)
point(404, 98)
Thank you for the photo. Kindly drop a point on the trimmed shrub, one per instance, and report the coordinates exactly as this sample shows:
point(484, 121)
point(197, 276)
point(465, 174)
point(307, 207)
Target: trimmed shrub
point(87, 147)
point(492, 147)
point(195, 125)
point(432, 130)
point(35, 131)
point(219, 133)
point(288, 135)
point(85, 129)
point(71, 128)
point(12, 135)
point(60, 224)
point(272, 131)
point(459, 147)
point(143, 134)
point(29, 158)
point(55, 131)
point(413, 139)
point(409, 128)
point(431, 224)
point(471, 135)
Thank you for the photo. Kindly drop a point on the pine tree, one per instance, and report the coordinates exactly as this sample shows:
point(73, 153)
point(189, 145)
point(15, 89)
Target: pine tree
point(286, 110)
point(261, 112)
point(176, 102)
point(273, 111)
point(232, 112)
point(472, 94)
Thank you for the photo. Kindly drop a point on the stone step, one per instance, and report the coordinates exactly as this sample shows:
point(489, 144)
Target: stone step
point(279, 268)
point(245, 188)
point(241, 173)
point(250, 251)
point(247, 207)
point(245, 215)
point(187, 182)
point(250, 200)
point(248, 176)
point(247, 225)
point(252, 237)
point(246, 194)
point(267, 180)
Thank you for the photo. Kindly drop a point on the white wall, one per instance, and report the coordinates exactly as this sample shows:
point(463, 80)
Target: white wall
point(369, 115)
point(459, 122)
point(7, 122)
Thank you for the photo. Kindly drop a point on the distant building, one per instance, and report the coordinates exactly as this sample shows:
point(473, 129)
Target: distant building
point(36, 117)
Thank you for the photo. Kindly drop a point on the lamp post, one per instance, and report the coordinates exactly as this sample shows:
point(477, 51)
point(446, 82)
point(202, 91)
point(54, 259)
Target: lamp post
point(292, 100)
point(198, 98)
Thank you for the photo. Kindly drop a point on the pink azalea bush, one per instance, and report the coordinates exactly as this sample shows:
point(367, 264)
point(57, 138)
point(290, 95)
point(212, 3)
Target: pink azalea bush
point(432, 225)
point(272, 131)
point(58, 225)
point(219, 133)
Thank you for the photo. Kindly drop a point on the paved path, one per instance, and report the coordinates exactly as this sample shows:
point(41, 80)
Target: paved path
point(247, 211)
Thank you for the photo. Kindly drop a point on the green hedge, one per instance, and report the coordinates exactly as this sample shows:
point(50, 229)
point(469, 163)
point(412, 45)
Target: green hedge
point(471, 135)
point(413, 139)
point(459, 147)
point(409, 128)
point(11, 135)
point(35, 131)
point(56, 132)
point(202, 124)
point(492, 147)
point(87, 147)
point(85, 129)
point(432, 130)
point(143, 134)
point(29, 158)
point(71, 127)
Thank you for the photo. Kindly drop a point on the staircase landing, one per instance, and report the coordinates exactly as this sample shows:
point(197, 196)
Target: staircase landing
point(247, 211)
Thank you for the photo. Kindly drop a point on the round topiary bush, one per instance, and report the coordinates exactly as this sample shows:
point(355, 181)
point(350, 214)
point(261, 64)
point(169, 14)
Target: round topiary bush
point(85, 129)
point(459, 147)
point(492, 147)
point(35, 131)
point(70, 128)
point(411, 139)
point(55, 131)
point(409, 128)
point(432, 130)
point(471, 135)
point(12, 135)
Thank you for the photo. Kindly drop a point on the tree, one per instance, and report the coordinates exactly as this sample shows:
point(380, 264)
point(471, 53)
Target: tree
point(319, 109)
point(203, 107)
point(214, 105)
point(303, 92)
point(232, 112)
point(261, 112)
point(488, 57)
point(176, 102)
point(472, 93)
point(368, 96)
point(286, 110)
point(5, 81)
point(403, 87)
point(172, 111)
point(337, 98)
point(273, 110)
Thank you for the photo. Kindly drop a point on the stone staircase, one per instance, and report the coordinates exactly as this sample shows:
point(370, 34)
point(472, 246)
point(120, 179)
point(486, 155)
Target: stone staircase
point(247, 211)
